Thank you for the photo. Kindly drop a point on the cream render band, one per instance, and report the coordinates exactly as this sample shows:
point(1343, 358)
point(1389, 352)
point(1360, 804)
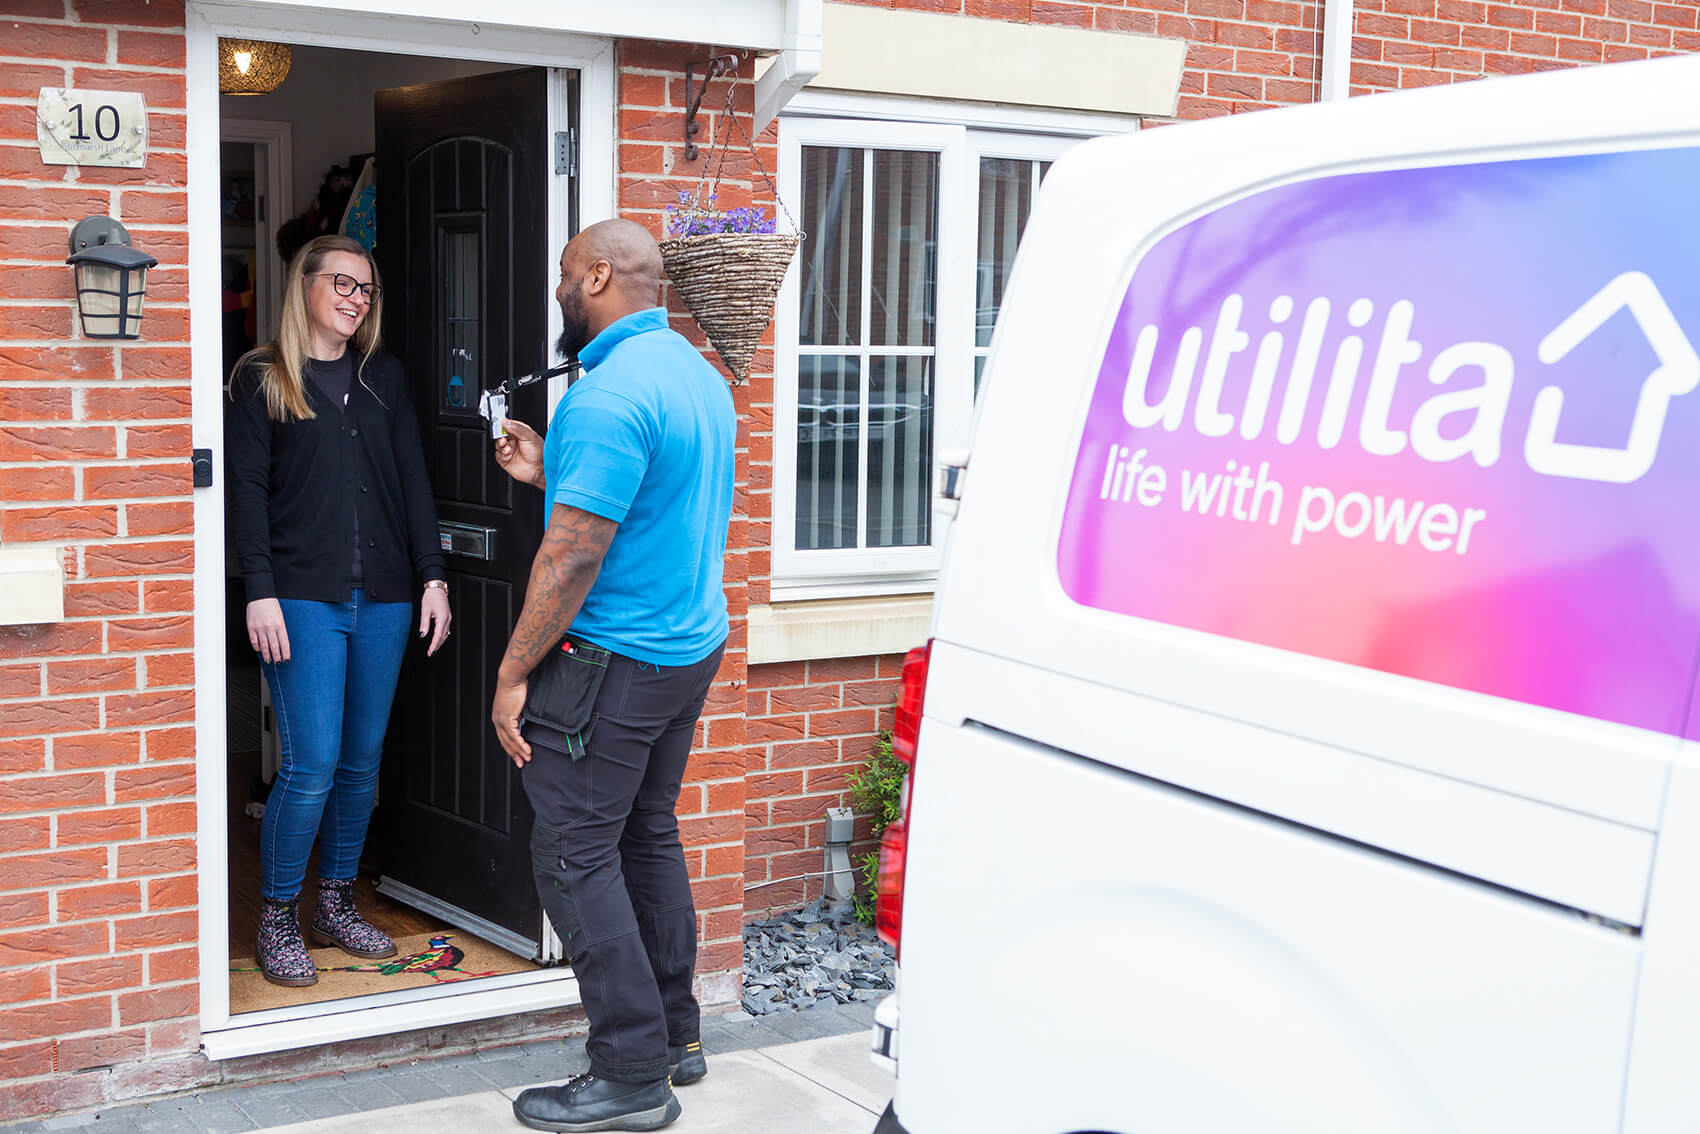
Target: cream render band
point(928, 55)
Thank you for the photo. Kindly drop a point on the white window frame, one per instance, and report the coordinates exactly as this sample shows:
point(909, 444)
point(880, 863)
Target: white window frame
point(960, 144)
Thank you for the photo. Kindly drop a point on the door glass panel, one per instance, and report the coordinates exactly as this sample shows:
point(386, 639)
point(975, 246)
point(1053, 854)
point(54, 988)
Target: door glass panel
point(829, 416)
point(900, 450)
point(458, 276)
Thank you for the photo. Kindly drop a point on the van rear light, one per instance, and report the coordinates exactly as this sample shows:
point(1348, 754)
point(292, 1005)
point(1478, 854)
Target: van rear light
point(894, 845)
point(911, 691)
point(888, 905)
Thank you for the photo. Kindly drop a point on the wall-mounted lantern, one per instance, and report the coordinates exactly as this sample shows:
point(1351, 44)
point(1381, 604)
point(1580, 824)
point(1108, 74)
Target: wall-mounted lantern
point(111, 279)
point(252, 66)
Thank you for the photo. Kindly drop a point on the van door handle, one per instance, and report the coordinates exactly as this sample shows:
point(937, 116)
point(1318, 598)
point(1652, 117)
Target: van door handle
point(953, 469)
point(953, 472)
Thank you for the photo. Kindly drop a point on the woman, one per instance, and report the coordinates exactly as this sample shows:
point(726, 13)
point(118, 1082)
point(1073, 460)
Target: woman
point(333, 518)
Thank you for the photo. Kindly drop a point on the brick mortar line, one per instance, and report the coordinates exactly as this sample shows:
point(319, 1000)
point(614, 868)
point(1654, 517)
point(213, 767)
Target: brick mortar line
point(111, 541)
point(110, 844)
point(48, 21)
point(92, 462)
point(40, 698)
point(150, 69)
point(145, 840)
point(42, 182)
point(175, 762)
point(94, 502)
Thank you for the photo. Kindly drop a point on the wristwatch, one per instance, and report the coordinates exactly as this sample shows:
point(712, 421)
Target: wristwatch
point(440, 584)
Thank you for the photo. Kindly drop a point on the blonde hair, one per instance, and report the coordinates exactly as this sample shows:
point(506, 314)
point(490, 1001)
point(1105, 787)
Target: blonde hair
point(284, 359)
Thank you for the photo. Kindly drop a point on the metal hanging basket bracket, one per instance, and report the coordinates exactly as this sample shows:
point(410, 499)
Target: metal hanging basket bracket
point(715, 68)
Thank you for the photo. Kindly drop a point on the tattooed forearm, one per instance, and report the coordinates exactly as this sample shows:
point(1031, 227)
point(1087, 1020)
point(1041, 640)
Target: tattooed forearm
point(567, 564)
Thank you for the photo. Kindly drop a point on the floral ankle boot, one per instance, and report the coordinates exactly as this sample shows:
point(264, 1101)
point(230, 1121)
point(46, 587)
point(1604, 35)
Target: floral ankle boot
point(281, 953)
point(337, 922)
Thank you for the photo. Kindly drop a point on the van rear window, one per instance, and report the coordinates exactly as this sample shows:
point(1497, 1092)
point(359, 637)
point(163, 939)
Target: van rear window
point(1439, 422)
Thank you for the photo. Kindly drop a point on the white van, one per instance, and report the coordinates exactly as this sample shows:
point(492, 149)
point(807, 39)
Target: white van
point(1308, 734)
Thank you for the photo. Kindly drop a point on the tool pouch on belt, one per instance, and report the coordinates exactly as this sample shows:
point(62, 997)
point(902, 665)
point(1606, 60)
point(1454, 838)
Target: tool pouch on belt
point(561, 694)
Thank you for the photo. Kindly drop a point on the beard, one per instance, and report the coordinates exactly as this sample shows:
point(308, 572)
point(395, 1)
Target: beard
point(575, 325)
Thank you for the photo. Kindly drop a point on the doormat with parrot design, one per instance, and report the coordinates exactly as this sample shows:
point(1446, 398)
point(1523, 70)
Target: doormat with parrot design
point(420, 961)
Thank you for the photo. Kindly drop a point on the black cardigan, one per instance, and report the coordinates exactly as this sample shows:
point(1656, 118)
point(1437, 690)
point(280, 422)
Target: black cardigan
point(296, 487)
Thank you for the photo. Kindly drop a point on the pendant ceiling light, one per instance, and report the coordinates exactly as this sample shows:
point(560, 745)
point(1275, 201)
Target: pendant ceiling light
point(251, 66)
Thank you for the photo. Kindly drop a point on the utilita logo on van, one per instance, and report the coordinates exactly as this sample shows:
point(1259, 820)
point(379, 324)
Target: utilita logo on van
point(1477, 411)
point(1440, 422)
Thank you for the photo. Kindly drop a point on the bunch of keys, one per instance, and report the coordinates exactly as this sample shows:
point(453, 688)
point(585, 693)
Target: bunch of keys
point(493, 404)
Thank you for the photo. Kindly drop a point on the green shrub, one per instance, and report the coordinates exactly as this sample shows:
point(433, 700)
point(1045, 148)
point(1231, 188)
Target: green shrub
point(876, 790)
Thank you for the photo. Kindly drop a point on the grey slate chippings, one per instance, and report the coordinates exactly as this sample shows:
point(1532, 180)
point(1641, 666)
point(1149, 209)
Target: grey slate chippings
point(815, 955)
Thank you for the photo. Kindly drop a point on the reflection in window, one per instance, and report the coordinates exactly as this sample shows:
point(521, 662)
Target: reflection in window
point(1007, 187)
point(905, 234)
point(866, 345)
point(829, 433)
point(900, 451)
point(832, 246)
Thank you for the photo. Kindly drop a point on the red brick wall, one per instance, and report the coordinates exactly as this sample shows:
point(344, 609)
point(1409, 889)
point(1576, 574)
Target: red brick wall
point(1251, 54)
point(810, 724)
point(1242, 54)
point(653, 170)
point(1415, 43)
point(97, 812)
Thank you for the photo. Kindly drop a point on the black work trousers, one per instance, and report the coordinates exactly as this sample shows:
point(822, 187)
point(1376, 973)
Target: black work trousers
point(610, 868)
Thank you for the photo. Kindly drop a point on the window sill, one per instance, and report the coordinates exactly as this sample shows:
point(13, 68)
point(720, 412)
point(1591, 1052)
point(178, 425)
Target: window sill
point(838, 628)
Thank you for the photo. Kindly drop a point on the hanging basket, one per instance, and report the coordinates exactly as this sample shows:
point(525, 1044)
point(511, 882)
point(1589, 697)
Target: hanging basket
point(730, 280)
point(727, 266)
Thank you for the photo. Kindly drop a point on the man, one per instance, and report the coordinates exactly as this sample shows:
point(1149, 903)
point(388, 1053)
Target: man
point(637, 476)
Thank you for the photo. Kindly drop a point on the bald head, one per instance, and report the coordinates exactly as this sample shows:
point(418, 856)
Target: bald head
point(629, 250)
point(610, 270)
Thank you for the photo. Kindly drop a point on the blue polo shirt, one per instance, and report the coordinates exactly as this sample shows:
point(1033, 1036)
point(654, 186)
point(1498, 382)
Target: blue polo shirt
point(644, 437)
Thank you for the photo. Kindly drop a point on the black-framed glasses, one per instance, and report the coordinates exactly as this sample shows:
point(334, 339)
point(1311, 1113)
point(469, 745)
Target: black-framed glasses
point(348, 285)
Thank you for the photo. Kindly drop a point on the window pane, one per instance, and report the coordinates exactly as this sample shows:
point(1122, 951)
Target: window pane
point(900, 451)
point(905, 241)
point(829, 417)
point(832, 248)
point(1006, 200)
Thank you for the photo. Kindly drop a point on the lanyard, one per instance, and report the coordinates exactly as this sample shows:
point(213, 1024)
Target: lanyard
point(493, 404)
point(513, 384)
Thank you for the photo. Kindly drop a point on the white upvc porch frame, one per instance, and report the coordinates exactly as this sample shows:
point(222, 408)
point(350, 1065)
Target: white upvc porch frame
point(225, 1036)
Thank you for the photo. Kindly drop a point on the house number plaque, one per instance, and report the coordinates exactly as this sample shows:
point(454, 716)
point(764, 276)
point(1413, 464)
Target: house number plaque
point(91, 127)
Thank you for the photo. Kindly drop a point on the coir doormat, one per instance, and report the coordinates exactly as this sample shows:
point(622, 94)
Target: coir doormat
point(421, 961)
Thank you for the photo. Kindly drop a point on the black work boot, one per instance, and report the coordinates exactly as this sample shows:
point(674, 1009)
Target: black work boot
point(589, 1103)
point(685, 1063)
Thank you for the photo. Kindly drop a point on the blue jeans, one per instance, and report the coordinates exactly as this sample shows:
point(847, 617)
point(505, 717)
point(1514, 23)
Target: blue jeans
point(332, 700)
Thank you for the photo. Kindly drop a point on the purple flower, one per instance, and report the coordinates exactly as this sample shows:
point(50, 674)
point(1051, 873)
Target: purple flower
point(691, 218)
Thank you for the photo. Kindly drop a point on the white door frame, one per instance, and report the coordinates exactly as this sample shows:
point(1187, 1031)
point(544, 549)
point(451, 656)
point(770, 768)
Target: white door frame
point(593, 59)
point(274, 169)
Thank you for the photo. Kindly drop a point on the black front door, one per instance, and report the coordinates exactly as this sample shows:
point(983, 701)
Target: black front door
point(465, 173)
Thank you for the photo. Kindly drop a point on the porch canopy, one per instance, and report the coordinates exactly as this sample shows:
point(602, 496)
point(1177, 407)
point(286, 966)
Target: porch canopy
point(789, 30)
